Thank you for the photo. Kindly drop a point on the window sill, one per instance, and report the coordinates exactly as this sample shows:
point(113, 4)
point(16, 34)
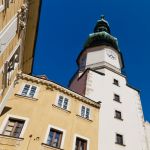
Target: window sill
point(119, 144)
point(118, 118)
point(65, 110)
point(84, 118)
point(116, 85)
point(51, 147)
point(27, 97)
point(10, 137)
point(117, 101)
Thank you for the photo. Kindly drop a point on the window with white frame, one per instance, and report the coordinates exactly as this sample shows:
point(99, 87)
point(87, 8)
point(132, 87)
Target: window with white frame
point(29, 90)
point(81, 144)
point(54, 138)
point(85, 112)
point(13, 127)
point(62, 102)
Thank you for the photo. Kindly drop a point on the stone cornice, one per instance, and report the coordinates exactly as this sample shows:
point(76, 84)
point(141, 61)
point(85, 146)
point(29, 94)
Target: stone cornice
point(54, 86)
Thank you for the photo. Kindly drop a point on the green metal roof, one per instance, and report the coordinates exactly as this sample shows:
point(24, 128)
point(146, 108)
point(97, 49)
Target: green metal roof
point(101, 38)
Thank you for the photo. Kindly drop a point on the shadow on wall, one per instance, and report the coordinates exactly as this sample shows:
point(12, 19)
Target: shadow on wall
point(5, 110)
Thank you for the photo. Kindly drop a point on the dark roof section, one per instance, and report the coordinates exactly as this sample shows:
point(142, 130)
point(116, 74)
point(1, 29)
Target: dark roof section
point(102, 25)
point(101, 38)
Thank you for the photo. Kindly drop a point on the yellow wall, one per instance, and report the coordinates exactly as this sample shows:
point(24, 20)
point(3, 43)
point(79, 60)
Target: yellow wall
point(42, 112)
point(6, 16)
point(27, 39)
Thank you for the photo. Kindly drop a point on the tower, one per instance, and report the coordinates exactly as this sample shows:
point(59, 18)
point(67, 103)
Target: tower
point(100, 78)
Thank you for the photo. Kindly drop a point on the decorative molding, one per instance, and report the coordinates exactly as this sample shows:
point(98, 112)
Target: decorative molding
point(22, 17)
point(53, 86)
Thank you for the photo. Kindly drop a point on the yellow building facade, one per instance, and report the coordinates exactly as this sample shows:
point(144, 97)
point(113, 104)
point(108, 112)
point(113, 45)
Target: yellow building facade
point(18, 28)
point(42, 115)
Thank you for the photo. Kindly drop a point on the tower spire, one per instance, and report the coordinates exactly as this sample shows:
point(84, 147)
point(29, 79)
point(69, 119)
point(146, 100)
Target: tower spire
point(102, 17)
point(102, 25)
point(101, 35)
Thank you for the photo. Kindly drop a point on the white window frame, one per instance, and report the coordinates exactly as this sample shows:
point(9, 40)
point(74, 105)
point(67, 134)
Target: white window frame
point(59, 129)
point(36, 92)
point(80, 109)
point(82, 137)
point(4, 123)
point(64, 96)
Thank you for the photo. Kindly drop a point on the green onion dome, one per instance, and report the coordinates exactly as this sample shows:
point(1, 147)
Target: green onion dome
point(101, 36)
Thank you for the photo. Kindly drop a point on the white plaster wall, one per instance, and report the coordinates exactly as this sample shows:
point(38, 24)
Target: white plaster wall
point(95, 57)
point(100, 55)
point(101, 88)
point(147, 134)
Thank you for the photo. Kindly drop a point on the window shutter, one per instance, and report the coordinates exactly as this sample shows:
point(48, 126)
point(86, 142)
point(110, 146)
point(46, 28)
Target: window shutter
point(8, 34)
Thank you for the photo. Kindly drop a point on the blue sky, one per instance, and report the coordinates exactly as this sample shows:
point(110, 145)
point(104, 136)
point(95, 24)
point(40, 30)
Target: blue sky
point(66, 24)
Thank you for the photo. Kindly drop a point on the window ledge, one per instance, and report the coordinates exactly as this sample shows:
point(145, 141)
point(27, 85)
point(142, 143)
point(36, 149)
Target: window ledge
point(116, 85)
point(51, 147)
point(27, 97)
point(84, 118)
point(10, 137)
point(119, 144)
point(118, 118)
point(117, 101)
point(65, 110)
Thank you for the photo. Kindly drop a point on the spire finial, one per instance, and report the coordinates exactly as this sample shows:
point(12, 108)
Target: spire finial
point(102, 17)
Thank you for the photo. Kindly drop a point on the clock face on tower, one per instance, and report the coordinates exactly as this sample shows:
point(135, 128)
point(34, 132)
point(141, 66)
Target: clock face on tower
point(111, 54)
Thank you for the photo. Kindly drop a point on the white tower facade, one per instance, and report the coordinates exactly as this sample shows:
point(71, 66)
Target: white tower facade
point(100, 78)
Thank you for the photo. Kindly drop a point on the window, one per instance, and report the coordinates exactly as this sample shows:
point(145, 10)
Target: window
point(62, 102)
point(116, 82)
point(13, 127)
point(29, 90)
point(85, 112)
point(116, 97)
point(118, 114)
point(54, 138)
point(119, 139)
point(81, 144)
